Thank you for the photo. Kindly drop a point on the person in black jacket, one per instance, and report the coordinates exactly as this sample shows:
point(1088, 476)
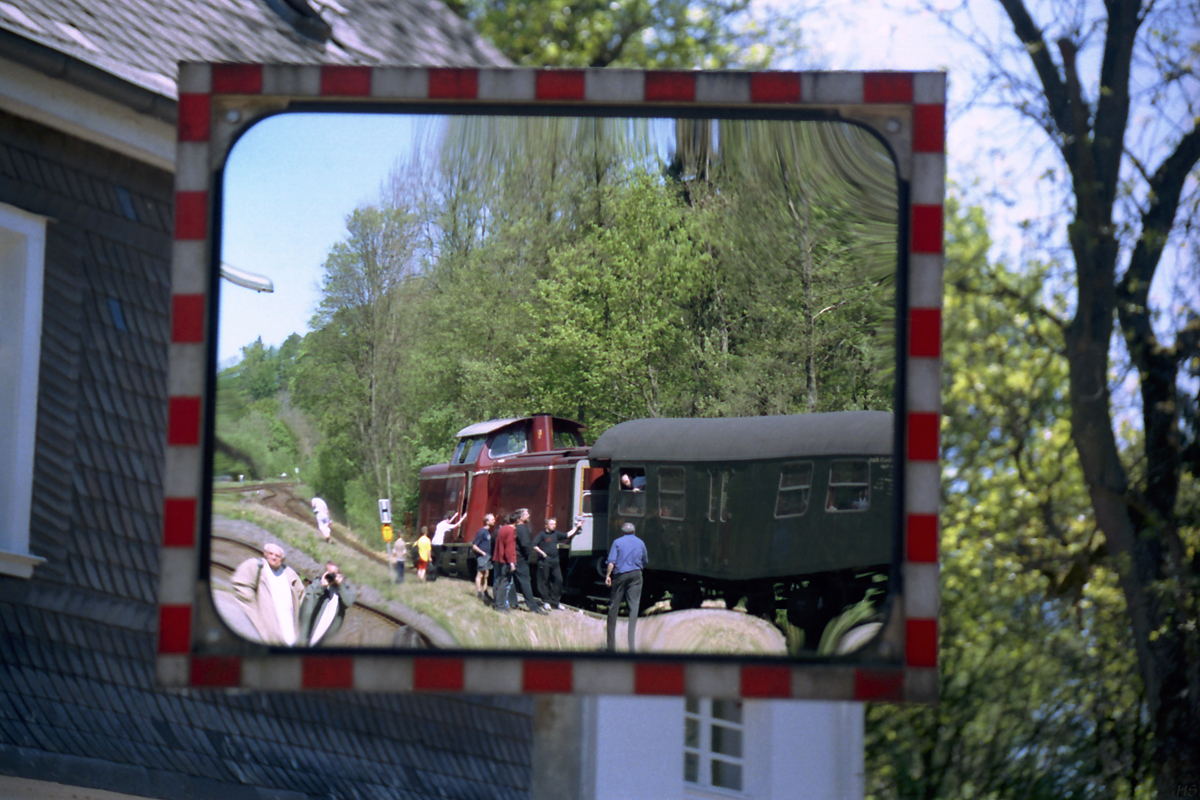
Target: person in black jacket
point(524, 553)
point(549, 573)
point(324, 606)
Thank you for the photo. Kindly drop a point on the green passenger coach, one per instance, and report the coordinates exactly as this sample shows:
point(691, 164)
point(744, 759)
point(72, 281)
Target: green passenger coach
point(792, 512)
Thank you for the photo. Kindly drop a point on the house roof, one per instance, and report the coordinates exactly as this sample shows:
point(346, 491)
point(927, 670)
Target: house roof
point(142, 41)
point(745, 438)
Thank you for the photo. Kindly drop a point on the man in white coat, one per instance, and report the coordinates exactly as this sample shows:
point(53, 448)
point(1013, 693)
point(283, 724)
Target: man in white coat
point(270, 594)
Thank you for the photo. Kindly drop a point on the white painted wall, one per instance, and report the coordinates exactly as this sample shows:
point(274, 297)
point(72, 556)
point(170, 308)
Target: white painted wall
point(794, 750)
point(22, 260)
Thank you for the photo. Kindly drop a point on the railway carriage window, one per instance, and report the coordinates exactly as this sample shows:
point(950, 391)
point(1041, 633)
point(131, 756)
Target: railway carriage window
point(670, 492)
point(631, 499)
point(507, 443)
point(795, 481)
point(849, 486)
point(718, 496)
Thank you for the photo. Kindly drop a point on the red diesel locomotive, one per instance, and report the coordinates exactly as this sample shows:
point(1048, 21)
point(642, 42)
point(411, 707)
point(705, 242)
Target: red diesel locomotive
point(538, 462)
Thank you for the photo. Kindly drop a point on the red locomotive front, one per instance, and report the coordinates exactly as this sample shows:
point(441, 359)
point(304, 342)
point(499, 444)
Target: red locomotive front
point(538, 462)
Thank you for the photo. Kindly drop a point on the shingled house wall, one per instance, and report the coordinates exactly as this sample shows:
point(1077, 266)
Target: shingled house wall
point(77, 699)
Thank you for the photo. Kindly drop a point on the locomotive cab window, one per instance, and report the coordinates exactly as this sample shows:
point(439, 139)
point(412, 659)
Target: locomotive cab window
point(566, 438)
point(468, 450)
point(631, 497)
point(795, 482)
point(849, 486)
point(670, 492)
point(508, 443)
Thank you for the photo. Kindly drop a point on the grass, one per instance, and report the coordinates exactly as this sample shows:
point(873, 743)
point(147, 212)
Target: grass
point(450, 602)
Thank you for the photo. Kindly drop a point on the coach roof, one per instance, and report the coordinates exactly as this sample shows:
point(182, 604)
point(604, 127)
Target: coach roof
point(746, 438)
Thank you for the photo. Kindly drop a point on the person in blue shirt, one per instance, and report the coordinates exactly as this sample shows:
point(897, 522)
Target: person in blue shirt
point(626, 559)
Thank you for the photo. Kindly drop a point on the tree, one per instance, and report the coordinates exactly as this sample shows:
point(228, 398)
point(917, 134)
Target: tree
point(1130, 155)
point(671, 34)
point(349, 374)
point(1039, 693)
point(614, 335)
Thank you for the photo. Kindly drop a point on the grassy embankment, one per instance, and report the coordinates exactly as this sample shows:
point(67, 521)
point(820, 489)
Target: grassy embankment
point(449, 602)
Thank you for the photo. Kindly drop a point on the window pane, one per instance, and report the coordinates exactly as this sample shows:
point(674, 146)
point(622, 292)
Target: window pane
point(631, 504)
point(791, 503)
point(670, 506)
point(476, 449)
point(670, 479)
point(725, 775)
point(847, 498)
point(728, 710)
point(849, 472)
point(795, 476)
point(691, 767)
point(691, 733)
point(693, 705)
point(508, 443)
point(565, 438)
point(726, 741)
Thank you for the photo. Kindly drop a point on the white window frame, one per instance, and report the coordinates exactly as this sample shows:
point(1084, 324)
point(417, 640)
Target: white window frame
point(704, 719)
point(22, 269)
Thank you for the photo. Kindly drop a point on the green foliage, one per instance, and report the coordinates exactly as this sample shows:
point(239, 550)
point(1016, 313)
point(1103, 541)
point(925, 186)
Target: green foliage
point(612, 335)
point(668, 34)
point(1040, 694)
point(253, 437)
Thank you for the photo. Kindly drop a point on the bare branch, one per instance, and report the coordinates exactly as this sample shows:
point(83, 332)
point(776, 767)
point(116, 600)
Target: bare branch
point(1112, 105)
point(1039, 53)
point(1165, 189)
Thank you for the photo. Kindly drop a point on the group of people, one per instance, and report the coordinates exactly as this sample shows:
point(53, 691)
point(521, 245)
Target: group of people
point(281, 609)
point(507, 553)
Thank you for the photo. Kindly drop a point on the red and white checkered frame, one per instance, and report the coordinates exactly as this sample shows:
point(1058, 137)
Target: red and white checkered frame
point(217, 100)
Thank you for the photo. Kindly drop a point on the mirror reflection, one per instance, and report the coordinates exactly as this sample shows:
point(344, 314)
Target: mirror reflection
point(556, 383)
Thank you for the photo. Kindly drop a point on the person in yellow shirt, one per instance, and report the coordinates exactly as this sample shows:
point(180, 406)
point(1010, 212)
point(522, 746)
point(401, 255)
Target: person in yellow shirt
point(424, 549)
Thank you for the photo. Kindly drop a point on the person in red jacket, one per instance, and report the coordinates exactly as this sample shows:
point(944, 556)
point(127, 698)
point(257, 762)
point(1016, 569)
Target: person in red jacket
point(504, 562)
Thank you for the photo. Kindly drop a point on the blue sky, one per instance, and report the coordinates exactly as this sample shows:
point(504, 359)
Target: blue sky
point(291, 180)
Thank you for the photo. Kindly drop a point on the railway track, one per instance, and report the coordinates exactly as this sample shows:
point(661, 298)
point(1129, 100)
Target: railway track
point(279, 496)
point(366, 624)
